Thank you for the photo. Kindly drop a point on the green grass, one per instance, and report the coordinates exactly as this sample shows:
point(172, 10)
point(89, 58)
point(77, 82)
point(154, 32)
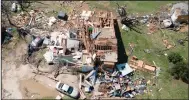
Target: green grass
point(52, 7)
point(154, 42)
point(142, 7)
point(99, 5)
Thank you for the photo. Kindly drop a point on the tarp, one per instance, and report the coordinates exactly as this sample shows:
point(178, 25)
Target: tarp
point(86, 68)
point(92, 76)
point(124, 68)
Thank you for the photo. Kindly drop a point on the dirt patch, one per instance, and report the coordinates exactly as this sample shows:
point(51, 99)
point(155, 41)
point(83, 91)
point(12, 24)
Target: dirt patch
point(152, 28)
point(184, 29)
point(11, 77)
point(31, 89)
point(17, 78)
point(84, 6)
point(71, 80)
point(167, 44)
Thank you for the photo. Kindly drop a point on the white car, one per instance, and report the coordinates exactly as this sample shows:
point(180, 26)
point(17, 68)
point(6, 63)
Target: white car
point(68, 90)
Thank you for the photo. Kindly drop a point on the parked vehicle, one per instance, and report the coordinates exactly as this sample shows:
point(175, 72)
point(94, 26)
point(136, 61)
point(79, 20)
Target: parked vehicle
point(68, 90)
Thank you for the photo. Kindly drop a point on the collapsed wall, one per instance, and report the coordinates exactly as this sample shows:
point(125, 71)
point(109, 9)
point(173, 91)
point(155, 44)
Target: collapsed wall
point(98, 36)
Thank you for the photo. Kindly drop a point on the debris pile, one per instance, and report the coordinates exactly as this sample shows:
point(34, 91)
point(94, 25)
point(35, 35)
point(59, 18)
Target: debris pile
point(20, 19)
point(38, 19)
point(173, 17)
point(88, 44)
point(119, 83)
point(176, 18)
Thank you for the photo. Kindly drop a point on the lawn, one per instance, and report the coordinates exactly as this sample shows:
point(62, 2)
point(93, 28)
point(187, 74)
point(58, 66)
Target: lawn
point(142, 7)
point(171, 88)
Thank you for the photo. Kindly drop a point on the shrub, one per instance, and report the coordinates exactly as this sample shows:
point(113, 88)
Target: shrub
point(179, 70)
point(185, 74)
point(174, 57)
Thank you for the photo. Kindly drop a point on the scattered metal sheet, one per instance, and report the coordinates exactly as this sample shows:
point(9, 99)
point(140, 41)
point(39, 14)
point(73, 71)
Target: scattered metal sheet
point(124, 69)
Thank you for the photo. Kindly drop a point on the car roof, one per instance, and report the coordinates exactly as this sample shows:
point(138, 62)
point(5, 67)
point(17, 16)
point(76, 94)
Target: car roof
point(65, 87)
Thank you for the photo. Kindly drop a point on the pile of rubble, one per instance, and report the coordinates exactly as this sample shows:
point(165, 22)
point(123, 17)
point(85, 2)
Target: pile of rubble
point(91, 46)
point(118, 83)
point(177, 17)
point(20, 19)
point(84, 44)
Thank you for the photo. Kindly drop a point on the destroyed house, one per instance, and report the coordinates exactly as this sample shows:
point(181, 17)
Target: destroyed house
point(98, 36)
point(105, 43)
